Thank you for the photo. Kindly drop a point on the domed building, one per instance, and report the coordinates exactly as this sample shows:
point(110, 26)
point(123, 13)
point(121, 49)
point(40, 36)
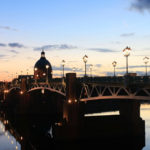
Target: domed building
point(42, 68)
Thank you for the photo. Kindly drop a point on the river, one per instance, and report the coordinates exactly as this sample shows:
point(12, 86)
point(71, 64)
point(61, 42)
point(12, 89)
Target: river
point(9, 142)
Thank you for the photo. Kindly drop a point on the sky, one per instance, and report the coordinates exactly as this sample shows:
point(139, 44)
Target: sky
point(68, 30)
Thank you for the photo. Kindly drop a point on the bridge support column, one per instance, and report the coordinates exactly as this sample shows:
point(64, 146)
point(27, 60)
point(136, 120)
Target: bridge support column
point(130, 112)
point(71, 111)
point(130, 109)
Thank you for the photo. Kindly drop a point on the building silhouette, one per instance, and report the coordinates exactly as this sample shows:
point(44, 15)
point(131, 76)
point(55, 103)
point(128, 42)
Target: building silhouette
point(42, 68)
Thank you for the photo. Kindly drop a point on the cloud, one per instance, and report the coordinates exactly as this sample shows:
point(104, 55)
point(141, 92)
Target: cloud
point(98, 65)
point(116, 42)
point(59, 68)
point(14, 51)
point(104, 50)
point(141, 5)
point(17, 45)
point(57, 75)
point(7, 28)
point(55, 47)
point(141, 66)
point(2, 56)
point(2, 45)
point(127, 34)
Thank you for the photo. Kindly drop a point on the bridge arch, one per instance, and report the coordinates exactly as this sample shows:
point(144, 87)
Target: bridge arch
point(46, 88)
point(14, 88)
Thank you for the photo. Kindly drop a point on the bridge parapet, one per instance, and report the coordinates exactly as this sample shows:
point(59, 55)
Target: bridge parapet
point(95, 91)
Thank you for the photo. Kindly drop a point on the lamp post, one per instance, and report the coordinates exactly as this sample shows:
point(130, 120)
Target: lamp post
point(85, 61)
point(27, 75)
point(35, 69)
point(146, 60)
point(91, 66)
point(63, 65)
point(47, 66)
point(126, 53)
point(114, 63)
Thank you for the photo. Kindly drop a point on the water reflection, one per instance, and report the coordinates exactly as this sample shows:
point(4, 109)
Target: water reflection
point(35, 132)
point(7, 140)
point(145, 114)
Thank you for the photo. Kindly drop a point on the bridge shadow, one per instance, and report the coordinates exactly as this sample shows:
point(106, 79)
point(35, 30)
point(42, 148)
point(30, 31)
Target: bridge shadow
point(34, 137)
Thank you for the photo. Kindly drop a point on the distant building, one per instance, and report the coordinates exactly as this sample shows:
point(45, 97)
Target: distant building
point(42, 68)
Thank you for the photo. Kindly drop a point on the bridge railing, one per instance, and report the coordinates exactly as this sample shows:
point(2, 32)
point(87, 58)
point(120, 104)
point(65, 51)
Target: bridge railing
point(119, 79)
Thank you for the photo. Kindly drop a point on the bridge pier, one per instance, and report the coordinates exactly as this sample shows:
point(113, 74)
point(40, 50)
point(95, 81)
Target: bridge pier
point(130, 109)
point(72, 113)
point(130, 112)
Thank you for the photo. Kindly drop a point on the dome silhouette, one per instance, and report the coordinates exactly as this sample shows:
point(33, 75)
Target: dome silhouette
point(42, 68)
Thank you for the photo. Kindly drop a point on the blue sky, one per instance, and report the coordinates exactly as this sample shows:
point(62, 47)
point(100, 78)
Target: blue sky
point(69, 29)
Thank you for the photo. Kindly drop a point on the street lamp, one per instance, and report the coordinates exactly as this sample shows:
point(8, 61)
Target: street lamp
point(146, 60)
point(35, 69)
point(114, 63)
point(91, 66)
point(47, 66)
point(85, 61)
point(126, 53)
point(63, 64)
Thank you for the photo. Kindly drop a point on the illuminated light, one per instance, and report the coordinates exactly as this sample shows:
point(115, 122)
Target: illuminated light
point(16, 147)
point(42, 91)
point(12, 142)
point(7, 121)
point(21, 92)
point(21, 138)
point(58, 124)
point(35, 69)
point(47, 66)
point(127, 51)
point(69, 101)
point(75, 100)
point(6, 91)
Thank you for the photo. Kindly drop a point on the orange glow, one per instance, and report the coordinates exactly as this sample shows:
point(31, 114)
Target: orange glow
point(69, 101)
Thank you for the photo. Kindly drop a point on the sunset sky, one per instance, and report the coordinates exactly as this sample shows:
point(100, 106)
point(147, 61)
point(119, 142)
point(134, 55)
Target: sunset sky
point(69, 29)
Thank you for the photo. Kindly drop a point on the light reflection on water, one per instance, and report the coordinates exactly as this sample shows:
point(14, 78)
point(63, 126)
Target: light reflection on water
point(103, 114)
point(145, 115)
point(7, 141)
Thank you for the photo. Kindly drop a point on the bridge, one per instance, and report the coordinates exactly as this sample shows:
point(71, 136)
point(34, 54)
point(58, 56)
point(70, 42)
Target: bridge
point(96, 88)
point(77, 92)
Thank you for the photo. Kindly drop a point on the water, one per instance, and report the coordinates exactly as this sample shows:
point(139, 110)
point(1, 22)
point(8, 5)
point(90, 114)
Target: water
point(9, 142)
point(145, 114)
